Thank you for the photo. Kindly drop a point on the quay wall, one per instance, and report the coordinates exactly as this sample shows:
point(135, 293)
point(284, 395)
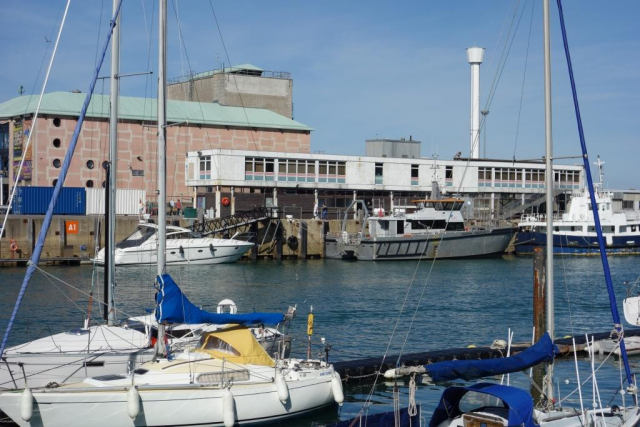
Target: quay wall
point(24, 229)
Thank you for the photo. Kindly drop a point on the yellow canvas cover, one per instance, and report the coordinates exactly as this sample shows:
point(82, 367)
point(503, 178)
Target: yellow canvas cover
point(237, 345)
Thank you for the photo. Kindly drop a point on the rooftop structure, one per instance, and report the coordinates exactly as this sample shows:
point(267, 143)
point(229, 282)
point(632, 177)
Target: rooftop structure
point(243, 85)
point(399, 148)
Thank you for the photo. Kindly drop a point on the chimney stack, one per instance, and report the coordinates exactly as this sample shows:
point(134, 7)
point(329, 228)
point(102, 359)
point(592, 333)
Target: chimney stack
point(475, 55)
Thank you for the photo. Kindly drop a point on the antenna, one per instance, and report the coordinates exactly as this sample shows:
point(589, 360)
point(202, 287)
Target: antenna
point(21, 90)
point(599, 163)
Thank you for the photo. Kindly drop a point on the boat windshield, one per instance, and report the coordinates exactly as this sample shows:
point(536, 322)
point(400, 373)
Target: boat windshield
point(137, 238)
point(447, 206)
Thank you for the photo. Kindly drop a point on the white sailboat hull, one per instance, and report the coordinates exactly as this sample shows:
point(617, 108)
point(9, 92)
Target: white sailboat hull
point(169, 405)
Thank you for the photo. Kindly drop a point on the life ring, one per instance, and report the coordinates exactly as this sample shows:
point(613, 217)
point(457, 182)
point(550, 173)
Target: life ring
point(225, 201)
point(13, 246)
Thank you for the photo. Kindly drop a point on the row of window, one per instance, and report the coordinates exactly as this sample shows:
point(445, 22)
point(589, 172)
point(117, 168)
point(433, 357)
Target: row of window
point(533, 178)
point(606, 229)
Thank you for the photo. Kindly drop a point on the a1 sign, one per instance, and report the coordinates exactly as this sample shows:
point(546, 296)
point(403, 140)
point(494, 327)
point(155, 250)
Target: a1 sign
point(72, 227)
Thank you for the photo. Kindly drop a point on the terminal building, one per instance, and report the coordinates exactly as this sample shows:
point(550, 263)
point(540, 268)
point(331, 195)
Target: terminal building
point(295, 182)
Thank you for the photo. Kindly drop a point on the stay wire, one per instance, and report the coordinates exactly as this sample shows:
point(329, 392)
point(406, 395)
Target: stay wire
point(524, 76)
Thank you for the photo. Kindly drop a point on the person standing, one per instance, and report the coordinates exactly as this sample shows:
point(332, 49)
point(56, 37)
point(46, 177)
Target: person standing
point(172, 204)
point(178, 207)
point(325, 212)
point(140, 210)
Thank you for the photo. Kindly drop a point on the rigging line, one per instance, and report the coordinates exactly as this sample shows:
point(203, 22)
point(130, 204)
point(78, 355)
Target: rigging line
point(83, 311)
point(504, 24)
point(46, 273)
point(496, 77)
point(35, 117)
point(504, 63)
point(224, 46)
point(596, 216)
point(524, 76)
point(186, 54)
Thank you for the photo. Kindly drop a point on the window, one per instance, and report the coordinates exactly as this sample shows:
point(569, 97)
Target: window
point(205, 167)
point(90, 164)
point(415, 174)
point(330, 171)
point(448, 176)
point(56, 142)
point(105, 164)
point(216, 344)
point(90, 184)
point(378, 176)
point(56, 122)
point(56, 163)
point(137, 172)
point(55, 181)
point(627, 204)
point(259, 169)
point(484, 177)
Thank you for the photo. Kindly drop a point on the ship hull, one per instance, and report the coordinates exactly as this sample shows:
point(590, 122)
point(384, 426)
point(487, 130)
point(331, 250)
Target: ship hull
point(449, 245)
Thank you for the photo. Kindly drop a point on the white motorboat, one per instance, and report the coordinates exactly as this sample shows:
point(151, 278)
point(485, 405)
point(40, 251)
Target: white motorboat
point(184, 246)
point(227, 380)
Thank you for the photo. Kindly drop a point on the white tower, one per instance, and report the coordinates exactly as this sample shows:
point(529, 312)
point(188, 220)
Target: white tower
point(475, 56)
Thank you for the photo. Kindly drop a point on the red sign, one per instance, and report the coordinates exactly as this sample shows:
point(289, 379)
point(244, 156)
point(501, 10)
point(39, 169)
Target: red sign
point(71, 227)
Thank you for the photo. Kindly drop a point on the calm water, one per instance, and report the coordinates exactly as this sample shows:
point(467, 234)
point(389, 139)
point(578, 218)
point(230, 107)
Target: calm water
point(356, 306)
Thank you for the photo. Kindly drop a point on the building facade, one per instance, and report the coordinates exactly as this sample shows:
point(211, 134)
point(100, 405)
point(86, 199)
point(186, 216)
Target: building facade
point(493, 187)
point(191, 126)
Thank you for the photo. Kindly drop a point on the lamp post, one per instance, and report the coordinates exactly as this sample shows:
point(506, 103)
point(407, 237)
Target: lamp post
point(484, 113)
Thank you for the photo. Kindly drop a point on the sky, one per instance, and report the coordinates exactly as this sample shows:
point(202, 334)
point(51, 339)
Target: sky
point(371, 69)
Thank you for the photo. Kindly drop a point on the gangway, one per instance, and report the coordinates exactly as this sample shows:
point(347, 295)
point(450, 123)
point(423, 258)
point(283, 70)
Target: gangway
point(231, 222)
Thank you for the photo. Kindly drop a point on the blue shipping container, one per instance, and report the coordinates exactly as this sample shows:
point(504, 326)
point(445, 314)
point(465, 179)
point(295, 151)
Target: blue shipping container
point(35, 201)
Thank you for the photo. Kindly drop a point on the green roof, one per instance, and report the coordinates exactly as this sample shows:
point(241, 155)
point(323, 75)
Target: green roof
point(131, 108)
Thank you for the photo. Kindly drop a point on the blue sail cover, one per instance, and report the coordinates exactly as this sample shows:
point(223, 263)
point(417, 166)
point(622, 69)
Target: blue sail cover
point(518, 401)
point(542, 351)
point(174, 307)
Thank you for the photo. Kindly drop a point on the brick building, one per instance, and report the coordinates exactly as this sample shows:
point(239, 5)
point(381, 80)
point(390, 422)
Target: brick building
point(192, 126)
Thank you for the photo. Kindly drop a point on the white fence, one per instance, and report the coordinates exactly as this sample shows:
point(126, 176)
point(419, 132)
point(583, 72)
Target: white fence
point(127, 201)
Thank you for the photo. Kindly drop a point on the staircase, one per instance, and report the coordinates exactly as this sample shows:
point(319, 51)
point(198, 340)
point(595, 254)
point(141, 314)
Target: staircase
point(231, 222)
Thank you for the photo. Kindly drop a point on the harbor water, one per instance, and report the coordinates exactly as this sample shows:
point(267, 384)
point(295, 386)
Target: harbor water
point(362, 309)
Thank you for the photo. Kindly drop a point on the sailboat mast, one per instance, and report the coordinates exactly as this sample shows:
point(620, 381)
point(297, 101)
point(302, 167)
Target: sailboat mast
point(549, 185)
point(162, 131)
point(110, 268)
point(162, 145)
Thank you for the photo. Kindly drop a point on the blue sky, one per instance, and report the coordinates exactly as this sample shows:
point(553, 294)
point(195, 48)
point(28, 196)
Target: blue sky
point(372, 69)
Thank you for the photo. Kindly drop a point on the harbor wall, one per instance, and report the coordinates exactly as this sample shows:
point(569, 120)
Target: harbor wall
point(278, 240)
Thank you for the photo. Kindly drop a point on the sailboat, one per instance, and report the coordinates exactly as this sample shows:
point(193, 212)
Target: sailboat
point(494, 405)
point(227, 379)
point(111, 347)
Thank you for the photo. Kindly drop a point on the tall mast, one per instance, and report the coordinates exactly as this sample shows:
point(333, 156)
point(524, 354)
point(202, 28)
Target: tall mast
point(110, 268)
point(549, 185)
point(162, 162)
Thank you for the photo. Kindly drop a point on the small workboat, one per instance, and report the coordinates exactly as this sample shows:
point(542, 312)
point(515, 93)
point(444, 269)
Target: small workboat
point(435, 228)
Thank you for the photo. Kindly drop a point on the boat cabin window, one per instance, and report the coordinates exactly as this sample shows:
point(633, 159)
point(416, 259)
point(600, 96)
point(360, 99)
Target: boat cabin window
point(384, 225)
point(473, 401)
point(448, 206)
point(400, 227)
point(137, 238)
point(216, 344)
point(438, 224)
point(633, 228)
point(183, 235)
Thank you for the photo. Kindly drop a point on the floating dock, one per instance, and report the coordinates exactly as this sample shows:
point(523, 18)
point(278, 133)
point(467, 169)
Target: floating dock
point(363, 370)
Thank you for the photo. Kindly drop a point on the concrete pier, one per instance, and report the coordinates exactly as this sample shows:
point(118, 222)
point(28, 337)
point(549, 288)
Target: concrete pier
point(74, 239)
